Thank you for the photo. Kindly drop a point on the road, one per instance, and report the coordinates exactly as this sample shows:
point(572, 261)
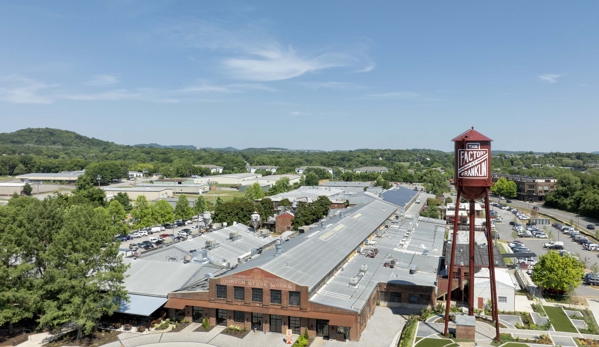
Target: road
point(581, 221)
point(536, 246)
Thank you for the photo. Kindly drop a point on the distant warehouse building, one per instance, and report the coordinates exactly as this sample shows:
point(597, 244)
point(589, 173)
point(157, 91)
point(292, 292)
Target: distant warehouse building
point(151, 193)
point(65, 177)
point(8, 189)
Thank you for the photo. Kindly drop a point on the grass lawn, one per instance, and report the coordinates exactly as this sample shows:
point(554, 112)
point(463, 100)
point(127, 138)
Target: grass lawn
point(225, 195)
point(559, 319)
point(435, 343)
point(501, 246)
point(514, 344)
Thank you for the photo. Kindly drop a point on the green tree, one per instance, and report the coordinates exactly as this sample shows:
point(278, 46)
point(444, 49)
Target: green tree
point(20, 170)
point(85, 278)
point(267, 208)
point(182, 209)
point(434, 182)
point(285, 202)
point(511, 190)
point(142, 213)
point(200, 205)
point(312, 179)
point(117, 216)
point(123, 199)
point(500, 186)
point(254, 192)
point(557, 272)
point(280, 186)
point(27, 189)
point(163, 212)
point(448, 200)
point(87, 192)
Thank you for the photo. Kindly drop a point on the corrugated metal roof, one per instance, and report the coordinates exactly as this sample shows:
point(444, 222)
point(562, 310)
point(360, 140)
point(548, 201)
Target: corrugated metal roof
point(399, 196)
point(311, 261)
point(141, 305)
point(158, 278)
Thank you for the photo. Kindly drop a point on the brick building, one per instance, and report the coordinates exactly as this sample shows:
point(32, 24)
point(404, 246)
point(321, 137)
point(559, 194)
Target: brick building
point(298, 284)
point(283, 222)
point(530, 188)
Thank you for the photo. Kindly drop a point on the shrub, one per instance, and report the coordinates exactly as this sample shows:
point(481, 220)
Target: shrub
point(306, 335)
point(206, 323)
point(408, 332)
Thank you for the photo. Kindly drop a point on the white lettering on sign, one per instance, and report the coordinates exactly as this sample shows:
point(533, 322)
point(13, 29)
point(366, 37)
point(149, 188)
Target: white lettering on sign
point(473, 163)
point(274, 284)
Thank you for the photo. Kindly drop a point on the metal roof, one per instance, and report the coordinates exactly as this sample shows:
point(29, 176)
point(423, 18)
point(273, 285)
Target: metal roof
point(227, 251)
point(346, 184)
point(399, 196)
point(481, 255)
point(311, 261)
point(158, 278)
point(141, 305)
point(136, 189)
point(399, 243)
point(471, 135)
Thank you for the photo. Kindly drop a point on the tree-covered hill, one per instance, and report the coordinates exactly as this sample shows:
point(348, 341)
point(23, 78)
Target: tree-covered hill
point(49, 137)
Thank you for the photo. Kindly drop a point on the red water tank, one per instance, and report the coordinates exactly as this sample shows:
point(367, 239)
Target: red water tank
point(472, 164)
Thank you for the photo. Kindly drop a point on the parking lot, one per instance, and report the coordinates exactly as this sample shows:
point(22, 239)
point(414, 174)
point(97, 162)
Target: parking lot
point(535, 245)
point(172, 231)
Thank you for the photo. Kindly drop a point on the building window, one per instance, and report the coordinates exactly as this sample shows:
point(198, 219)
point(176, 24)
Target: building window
point(502, 299)
point(221, 291)
point(422, 299)
point(394, 297)
point(239, 293)
point(294, 298)
point(239, 316)
point(257, 294)
point(275, 296)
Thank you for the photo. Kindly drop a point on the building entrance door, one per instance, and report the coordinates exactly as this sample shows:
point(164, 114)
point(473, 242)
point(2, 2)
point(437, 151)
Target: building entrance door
point(197, 314)
point(275, 323)
point(322, 328)
point(257, 321)
point(221, 317)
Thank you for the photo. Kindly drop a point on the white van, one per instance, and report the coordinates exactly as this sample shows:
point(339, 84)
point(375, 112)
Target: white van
point(155, 230)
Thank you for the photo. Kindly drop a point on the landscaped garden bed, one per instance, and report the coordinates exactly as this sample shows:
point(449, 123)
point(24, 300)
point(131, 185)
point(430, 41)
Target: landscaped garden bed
point(205, 327)
point(559, 319)
point(586, 342)
point(95, 339)
point(237, 331)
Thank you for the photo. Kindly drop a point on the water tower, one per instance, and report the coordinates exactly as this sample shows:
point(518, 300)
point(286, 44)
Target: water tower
point(472, 179)
point(255, 220)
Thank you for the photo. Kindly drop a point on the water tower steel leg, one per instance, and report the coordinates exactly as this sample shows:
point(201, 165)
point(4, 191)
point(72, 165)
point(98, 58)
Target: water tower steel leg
point(495, 309)
point(456, 219)
point(471, 264)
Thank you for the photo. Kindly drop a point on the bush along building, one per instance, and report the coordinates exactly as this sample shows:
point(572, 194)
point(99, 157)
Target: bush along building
point(328, 280)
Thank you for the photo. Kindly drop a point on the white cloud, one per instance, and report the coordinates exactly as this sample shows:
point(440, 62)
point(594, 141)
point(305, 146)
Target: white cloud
point(228, 88)
point(394, 96)
point(144, 94)
point(249, 53)
point(550, 78)
point(102, 81)
point(333, 85)
point(21, 90)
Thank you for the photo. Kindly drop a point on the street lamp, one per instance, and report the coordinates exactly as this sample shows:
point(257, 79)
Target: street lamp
point(99, 178)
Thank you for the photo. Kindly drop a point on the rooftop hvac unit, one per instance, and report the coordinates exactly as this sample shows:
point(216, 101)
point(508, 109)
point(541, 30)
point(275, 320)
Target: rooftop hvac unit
point(363, 268)
point(208, 275)
point(234, 235)
point(265, 232)
point(354, 281)
point(210, 243)
point(187, 258)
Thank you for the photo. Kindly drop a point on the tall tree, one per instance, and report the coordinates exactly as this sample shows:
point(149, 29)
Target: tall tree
point(267, 208)
point(142, 213)
point(200, 205)
point(163, 212)
point(123, 199)
point(557, 272)
point(182, 209)
point(85, 278)
point(117, 216)
point(312, 179)
point(254, 192)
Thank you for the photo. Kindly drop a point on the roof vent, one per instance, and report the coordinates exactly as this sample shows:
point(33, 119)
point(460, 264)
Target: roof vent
point(354, 281)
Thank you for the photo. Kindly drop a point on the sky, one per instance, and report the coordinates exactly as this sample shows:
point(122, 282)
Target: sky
point(329, 75)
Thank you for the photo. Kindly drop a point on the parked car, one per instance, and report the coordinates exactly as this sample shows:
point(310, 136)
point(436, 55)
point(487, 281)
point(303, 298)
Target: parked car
point(508, 201)
point(153, 239)
point(590, 227)
point(147, 245)
point(143, 232)
point(168, 226)
point(541, 235)
point(133, 246)
point(591, 279)
point(164, 235)
point(180, 224)
point(182, 233)
point(135, 234)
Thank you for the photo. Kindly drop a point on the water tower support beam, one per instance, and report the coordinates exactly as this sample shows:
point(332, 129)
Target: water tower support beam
point(456, 219)
point(494, 308)
point(471, 264)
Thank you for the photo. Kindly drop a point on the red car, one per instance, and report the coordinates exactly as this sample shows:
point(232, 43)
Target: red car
point(162, 236)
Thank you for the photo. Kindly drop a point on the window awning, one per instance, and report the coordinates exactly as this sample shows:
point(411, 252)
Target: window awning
point(178, 304)
point(141, 305)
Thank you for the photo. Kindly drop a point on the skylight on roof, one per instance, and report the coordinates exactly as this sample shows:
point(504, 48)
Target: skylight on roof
point(357, 215)
point(339, 227)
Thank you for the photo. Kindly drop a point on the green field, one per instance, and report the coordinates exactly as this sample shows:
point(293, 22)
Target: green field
point(514, 344)
point(559, 319)
point(435, 343)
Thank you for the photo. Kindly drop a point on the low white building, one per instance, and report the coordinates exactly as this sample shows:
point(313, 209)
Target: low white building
point(255, 168)
point(271, 180)
point(506, 289)
point(213, 168)
point(136, 174)
point(300, 170)
point(369, 169)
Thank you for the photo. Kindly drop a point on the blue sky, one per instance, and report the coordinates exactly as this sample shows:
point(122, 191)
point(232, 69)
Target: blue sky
point(304, 74)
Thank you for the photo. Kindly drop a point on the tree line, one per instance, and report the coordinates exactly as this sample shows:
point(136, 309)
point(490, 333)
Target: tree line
point(576, 192)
